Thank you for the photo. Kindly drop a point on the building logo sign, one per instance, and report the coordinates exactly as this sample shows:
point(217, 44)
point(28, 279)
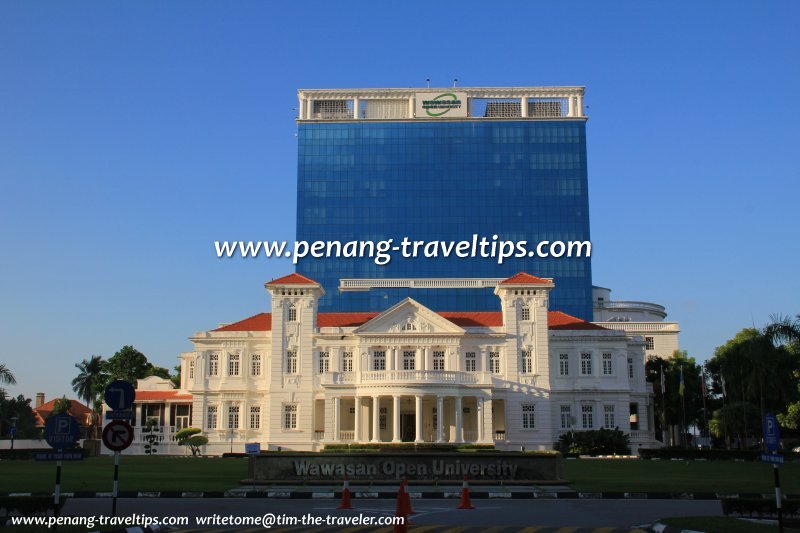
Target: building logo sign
point(451, 104)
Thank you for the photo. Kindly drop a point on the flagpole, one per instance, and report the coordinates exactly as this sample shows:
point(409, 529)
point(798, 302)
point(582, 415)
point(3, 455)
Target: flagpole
point(663, 408)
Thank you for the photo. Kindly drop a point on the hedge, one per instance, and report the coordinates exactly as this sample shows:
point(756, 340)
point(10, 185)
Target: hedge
point(710, 455)
point(29, 454)
point(758, 506)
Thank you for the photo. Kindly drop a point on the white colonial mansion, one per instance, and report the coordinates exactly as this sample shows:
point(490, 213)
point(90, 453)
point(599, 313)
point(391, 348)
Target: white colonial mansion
point(299, 379)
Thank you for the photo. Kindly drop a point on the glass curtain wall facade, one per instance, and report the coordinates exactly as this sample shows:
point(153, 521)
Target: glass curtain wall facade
point(437, 180)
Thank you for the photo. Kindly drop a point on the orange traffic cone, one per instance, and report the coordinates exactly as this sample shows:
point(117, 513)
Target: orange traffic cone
point(401, 511)
point(465, 503)
point(345, 496)
point(407, 498)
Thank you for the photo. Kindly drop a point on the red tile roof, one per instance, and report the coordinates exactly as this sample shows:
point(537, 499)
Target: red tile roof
point(555, 320)
point(293, 279)
point(76, 409)
point(559, 320)
point(162, 395)
point(524, 279)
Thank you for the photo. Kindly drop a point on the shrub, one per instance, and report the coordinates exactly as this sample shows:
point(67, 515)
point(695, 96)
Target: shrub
point(595, 442)
point(758, 506)
point(191, 437)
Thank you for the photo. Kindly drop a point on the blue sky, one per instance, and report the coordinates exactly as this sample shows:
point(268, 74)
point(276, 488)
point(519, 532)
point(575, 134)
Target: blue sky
point(134, 134)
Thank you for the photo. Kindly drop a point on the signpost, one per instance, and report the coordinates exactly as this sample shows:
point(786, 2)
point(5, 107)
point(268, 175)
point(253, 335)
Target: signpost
point(772, 440)
point(60, 431)
point(118, 434)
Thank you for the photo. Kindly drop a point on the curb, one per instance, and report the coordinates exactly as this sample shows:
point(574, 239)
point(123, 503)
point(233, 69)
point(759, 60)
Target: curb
point(367, 494)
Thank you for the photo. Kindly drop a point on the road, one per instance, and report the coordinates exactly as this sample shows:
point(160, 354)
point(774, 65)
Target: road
point(517, 513)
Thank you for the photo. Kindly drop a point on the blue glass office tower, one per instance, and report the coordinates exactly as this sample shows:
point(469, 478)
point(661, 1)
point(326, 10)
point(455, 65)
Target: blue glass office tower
point(512, 165)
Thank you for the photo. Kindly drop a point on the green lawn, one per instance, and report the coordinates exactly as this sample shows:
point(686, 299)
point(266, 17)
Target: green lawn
point(136, 473)
point(139, 473)
point(720, 524)
point(594, 475)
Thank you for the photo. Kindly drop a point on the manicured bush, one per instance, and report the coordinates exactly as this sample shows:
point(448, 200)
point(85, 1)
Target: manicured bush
point(596, 442)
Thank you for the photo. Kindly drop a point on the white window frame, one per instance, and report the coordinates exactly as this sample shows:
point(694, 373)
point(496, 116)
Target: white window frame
point(291, 361)
point(233, 416)
point(470, 362)
point(586, 364)
point(528, 415)
point(563, 364)
point(190, 367)
point(347, 361)
point(526, 357)
point(566, 416)
point(608, 364)
point(494, 362)
point(525, 313)
point(289, 416)
point(212, 413)
point(587, 416)
point(438, 360)
point(630, 367)
point(255, 417)
point(255, 364)
point(409, 360)
point(379, 360)
point(234, 359)
point(649, 343)
point(291, 314)
point(324, 365)
point(213, 364)
point(609, 418)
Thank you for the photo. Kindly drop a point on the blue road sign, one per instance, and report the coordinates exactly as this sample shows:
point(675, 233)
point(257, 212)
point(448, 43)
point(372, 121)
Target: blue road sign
point(252, 448)
point(119, 395)
point(772, 432)
point(772, 458)
point(61, 431)
point(59, 456)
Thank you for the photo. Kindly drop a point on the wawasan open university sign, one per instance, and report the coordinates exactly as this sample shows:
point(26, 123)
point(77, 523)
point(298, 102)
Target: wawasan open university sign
point(414, 466)
point(444, 105)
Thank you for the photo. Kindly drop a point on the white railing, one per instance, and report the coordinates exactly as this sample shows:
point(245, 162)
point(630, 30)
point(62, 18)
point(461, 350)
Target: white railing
point(319, 435)
point(499, 435)
point(418, 283)
point(347, 435)
point(405, 376)
point(642, 327)
point(161, 433)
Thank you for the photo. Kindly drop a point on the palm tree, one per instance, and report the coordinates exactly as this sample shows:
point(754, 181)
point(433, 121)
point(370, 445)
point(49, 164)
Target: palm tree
point(6, 377)
point(90, 382)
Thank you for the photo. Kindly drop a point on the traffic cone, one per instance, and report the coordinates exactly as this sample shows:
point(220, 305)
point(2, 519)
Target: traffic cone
point(345, 496)
point(407, 498)
point(401, 511)
point(465, 503)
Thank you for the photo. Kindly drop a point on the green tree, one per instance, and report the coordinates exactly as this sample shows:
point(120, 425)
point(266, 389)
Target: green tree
point(735, 419)
point(176, 377)
point(150, 436)
point(19, 407)
point(7, 378)
point(191, 437)
point(670, 404)
point(61, 405)
point(91, 380)
point(128, 364)
point(159, 371)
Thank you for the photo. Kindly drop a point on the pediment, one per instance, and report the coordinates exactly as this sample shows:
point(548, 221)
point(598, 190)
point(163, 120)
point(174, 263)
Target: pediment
point(409, 317)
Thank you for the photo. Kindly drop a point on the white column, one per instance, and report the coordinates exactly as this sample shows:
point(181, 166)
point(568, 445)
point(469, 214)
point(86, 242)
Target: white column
point(579, 111)
point(357, 423)
point(421, 355)
point(309, 108)
point(571, 106)
point(376, 425)
point(488, 424)
point(337, 409)
point(523, 107)
point(355, 108)
point(418, 419)
point(396, 419)
point(459, 435)
point(390, 357)
point(439, 417)
point(411, 107)
point(479, 417)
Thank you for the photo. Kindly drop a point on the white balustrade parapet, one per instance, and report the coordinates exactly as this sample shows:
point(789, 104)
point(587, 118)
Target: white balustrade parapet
point(641, 327)
point(364, 284)
point(405, 376)
point(630, 304)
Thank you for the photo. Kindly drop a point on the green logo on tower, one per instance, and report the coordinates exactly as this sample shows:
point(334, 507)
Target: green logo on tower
point(441, 104)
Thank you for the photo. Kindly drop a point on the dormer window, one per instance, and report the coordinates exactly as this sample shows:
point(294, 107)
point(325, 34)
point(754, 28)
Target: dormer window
point(409, 326)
